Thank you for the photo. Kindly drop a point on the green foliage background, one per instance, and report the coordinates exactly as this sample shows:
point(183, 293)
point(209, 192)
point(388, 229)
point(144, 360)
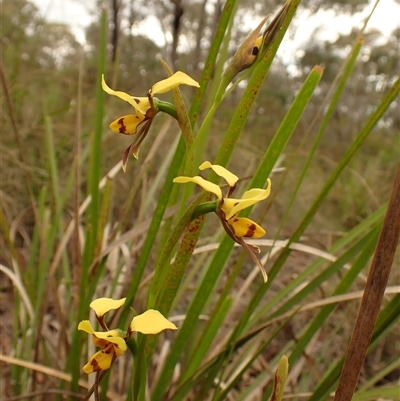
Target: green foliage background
point(56, 145)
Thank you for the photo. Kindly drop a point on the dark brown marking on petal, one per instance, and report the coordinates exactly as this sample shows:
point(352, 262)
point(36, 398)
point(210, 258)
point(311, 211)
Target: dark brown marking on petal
point(122, 126)
point(251, 230)
point(136, 100)
point(96, 366)
point(255, 51)
point(108, 350)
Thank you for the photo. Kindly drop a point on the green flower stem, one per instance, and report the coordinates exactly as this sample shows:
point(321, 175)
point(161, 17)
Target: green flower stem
point(140, 370)
point(162, 268)
point(206, 76)
point(204, 130)
point(184, 124)
point(204, 208)
point(176, 161)
point(165, 107)
point(202, 134)
point(179, 154)
point(250, 94)
point(179, 157)
point(216, 91)
point(224, 154)
point(153, 229)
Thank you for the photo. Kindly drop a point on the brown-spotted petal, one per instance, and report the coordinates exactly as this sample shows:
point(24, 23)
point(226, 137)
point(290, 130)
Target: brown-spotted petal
point(244, 227)
point(127, 125)
point(101, 360)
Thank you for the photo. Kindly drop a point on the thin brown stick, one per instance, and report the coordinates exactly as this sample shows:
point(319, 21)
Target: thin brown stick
point(372, 298)
point(98, 379)
point(44, 392)
point(59, 375)
point(96, 387)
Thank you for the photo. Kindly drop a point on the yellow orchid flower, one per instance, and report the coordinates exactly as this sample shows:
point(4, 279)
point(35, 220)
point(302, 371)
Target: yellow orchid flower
point(229, 208)
point(145, 110)
point(113, 342)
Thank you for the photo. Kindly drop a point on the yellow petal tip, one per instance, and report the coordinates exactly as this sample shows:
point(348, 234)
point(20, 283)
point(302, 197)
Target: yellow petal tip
point(103, 305)
point(151, 322)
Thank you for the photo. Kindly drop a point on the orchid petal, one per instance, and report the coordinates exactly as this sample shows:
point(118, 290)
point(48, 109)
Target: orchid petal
point(101, 360)
point(143, 104)
point(258, 193)
point(102, 338)
point(86, 326)
point(208, 186)
point(233, 206)
point(102, 342)
point(151, 322)
point(127, 125)
point(172, 82)
point(244, 227)
point(140, 104)
point(102, 305)
point(229, 177)
point(114, 337)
